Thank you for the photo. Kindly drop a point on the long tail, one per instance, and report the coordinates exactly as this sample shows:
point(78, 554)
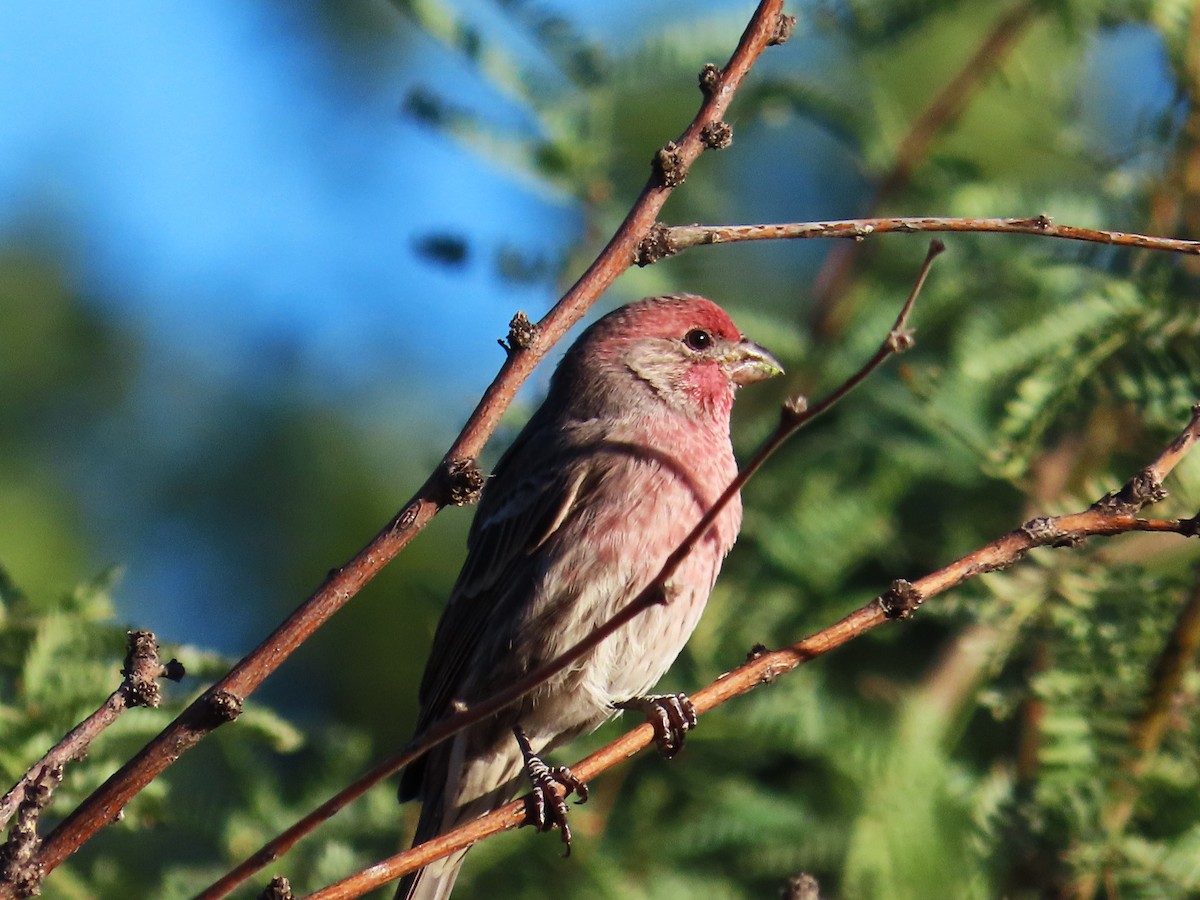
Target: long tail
point(436, 880)
point(450, 798)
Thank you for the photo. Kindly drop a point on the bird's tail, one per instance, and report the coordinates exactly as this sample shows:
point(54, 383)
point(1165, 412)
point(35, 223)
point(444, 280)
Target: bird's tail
point(489, 781)
point(436, 880)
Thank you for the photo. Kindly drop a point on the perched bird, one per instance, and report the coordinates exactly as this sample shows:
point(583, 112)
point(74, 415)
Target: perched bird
point(629, 448)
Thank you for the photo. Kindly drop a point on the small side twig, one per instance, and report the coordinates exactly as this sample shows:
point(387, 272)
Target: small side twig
point(139, 688)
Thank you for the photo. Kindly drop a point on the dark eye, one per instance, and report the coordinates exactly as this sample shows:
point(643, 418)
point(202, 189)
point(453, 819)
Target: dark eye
point(698, 339)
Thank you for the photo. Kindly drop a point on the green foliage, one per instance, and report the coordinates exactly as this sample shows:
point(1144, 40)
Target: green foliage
point(60, 658)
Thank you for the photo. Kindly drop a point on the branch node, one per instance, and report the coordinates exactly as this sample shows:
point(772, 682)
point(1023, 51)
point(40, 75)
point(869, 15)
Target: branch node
point(657, 244)
point(717, 135)
point(794, 407)
point(756, 651)
point(1142, 489)
point(669, 165)
point(141, 669)
point(278, 889)
point(710, 79)
point(174, 670)
point(222, 707)
point(900, 340)
point(463, 481)
point(18, 857)
point(521, 334)
point(784, 27)
point(1042, 530)
point(900, 601)
point(802, 887)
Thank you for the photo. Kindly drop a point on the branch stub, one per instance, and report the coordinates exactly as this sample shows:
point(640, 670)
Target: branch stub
point(278, 889)
point(900, 601)
point(717, 135)
point(657, 244)
point(463, 480)
point(521, 334)
point(223, 707)
point(669, 165)
point(710, 79)
point(783, 30)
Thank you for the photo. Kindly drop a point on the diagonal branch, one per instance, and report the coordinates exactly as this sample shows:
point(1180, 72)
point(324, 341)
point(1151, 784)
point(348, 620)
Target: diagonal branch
point(454, 481)
point(1176, 660)
point(1102, 519)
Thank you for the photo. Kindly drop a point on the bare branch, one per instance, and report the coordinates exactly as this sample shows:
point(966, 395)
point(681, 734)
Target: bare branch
point(140, 688)
point(669, 240)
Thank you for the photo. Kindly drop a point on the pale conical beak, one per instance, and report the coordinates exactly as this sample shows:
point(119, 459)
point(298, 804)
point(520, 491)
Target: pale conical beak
point(747, 363)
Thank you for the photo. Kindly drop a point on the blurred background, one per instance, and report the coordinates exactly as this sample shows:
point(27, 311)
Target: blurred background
point(254, 260)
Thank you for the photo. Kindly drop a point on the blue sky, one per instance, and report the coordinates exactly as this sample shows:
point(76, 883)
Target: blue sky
point(209, 166)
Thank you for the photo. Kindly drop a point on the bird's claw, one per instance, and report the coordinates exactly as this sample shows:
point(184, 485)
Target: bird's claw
point(671, 716)
point(546, 804)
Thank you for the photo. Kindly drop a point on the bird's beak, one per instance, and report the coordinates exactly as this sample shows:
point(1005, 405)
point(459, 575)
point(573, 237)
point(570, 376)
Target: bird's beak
point(747, 363)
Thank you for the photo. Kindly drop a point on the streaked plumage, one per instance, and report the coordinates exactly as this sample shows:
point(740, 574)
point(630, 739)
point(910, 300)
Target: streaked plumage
point(629, 448)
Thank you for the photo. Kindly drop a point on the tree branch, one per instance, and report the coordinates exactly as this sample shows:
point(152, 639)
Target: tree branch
point(794, 414)
point(667, 240)
point(1146, 735)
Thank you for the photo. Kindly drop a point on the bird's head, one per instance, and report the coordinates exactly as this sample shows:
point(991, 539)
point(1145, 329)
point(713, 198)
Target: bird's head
point(681, 350)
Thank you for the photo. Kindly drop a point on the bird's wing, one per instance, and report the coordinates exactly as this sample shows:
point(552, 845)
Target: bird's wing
point(532, 501)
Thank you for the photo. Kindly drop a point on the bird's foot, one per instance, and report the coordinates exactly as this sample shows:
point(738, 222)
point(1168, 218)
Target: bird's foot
point(546, 804)
point(671, 716)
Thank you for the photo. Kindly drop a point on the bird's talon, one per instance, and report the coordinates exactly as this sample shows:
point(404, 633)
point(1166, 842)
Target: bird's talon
point(546, 806)
point(671, 716)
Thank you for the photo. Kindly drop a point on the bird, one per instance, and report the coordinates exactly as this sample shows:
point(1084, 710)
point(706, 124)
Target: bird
point(629, 448)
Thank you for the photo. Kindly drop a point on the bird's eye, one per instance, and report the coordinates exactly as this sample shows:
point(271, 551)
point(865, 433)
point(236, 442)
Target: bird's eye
point(698, 339)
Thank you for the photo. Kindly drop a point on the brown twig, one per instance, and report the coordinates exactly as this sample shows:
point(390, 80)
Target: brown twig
point(833, 277)
point(899, 601)
point(140, 688)
point(19, 869)
point(212, 708)
point(794, 415)
point(667, 240)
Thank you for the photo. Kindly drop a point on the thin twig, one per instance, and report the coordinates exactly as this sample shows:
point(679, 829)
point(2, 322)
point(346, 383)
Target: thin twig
point(671, 239)
point(214, 706)
point(899, 601)
point(139, 688)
